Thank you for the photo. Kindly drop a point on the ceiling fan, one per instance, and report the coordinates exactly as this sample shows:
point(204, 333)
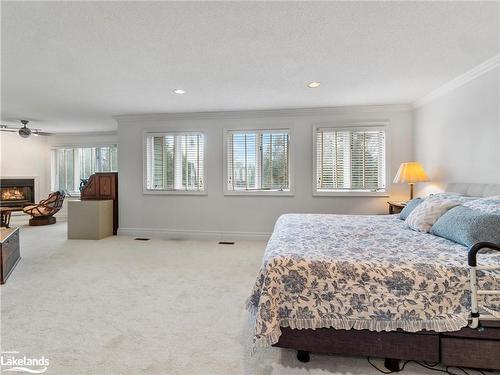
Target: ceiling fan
point(24, 131)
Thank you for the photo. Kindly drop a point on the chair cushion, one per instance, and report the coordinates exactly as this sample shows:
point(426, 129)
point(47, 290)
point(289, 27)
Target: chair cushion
point(27, 208)
point(46, 207)
point(467, 226)
point(42, 211)
point(426, 214)
point(52, 198)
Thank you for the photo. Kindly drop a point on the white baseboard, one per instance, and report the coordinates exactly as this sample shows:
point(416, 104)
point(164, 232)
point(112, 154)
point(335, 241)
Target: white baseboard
point(176, 234)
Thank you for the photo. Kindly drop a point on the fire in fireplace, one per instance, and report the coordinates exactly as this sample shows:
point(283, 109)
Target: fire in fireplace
point(15, 192)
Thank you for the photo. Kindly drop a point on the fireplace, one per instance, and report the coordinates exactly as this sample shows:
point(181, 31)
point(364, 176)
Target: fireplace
point(17, 192)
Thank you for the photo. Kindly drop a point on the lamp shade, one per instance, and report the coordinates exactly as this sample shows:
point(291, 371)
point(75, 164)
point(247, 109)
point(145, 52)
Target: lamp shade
point(410, 173)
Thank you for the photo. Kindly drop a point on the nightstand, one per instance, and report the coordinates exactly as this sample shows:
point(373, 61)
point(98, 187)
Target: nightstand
point(396, 207)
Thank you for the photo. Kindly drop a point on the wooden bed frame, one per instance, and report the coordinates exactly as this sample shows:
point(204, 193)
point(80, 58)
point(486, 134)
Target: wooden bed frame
point(474, 348)
point(466, 348)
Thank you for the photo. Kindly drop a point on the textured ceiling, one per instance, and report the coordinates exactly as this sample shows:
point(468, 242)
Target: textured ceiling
point(72, 65)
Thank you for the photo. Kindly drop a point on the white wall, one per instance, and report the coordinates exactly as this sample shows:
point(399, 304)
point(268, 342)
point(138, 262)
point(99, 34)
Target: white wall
point(26, 157)
point(457, 135)
point(216, 213)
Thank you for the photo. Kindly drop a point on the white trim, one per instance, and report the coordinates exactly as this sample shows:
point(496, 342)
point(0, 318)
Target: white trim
point(290, 112)
point(175, 234)
point(92, 133)
point(84, 145)
point(174, 192)
point(149, 133)
point(361, 125)
point(259, 193)
point(459, 81)
point(284, 127)
point(351, 193)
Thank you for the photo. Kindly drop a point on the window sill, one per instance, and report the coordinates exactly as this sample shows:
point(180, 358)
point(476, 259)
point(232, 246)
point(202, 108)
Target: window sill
point(262, 193)
point(73, 196)
point(351, 194)
point(174, 192)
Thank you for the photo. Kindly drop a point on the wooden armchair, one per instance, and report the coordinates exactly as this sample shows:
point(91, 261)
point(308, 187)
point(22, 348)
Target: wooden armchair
point(43, 212)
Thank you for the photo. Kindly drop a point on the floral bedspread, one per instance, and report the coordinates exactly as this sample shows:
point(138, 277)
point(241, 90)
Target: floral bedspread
point(362, 272)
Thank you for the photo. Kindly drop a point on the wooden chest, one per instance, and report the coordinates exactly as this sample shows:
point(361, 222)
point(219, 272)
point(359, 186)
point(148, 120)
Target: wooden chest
point(9, 252)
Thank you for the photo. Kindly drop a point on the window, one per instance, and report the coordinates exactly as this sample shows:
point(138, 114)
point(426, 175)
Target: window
point(175, 162)
point(258, 161)
point(72, 164)
point(350, 160)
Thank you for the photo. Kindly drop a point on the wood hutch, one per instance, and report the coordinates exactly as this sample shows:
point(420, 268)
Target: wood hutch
point(103, 186)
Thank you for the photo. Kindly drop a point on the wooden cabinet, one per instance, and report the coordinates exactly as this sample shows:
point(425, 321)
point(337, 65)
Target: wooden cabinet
point(9, 252)
point(103, 186)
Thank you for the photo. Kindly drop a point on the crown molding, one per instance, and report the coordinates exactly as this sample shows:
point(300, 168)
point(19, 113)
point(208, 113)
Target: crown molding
point(291, 112)
point(459, 81)
point(93, 133)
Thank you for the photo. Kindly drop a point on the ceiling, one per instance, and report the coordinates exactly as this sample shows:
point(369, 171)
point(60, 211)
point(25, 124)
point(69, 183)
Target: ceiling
point(70, 66)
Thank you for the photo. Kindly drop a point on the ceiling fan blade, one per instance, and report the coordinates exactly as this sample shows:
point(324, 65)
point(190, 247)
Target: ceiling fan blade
point(34, 131)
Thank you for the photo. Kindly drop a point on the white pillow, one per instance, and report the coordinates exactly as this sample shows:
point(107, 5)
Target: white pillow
point(423, 217)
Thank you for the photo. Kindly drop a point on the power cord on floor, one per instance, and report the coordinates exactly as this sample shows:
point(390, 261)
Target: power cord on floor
point(432, 367)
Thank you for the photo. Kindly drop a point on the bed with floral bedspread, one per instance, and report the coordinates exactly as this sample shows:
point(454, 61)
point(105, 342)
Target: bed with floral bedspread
point(361, 272)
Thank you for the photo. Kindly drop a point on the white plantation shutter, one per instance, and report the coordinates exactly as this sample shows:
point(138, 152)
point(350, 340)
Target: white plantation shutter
point(243, 161)
point(258, 160)
point(350, 159)
point(274, 161)
point(162, 162)
point(174, 161)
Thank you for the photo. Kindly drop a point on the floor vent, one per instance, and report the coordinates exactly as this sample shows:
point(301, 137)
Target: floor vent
point(141, 239)
point(226, 242)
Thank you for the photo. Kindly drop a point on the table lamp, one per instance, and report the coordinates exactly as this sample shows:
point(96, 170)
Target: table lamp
point(411, 173)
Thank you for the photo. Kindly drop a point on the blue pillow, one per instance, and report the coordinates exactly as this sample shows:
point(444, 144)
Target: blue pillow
point(410, 206)
point(467, 227)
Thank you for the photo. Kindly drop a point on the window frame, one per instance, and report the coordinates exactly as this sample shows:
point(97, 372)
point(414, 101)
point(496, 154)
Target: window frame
point(53, 162)
point(352, 126)
point(162, 133)
point(262, 129)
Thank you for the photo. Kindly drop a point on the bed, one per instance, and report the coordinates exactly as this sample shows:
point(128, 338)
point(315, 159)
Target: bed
point(367, 285)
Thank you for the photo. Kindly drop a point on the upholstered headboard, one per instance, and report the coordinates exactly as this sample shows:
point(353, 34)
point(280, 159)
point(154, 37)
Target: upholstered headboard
point(473, 189)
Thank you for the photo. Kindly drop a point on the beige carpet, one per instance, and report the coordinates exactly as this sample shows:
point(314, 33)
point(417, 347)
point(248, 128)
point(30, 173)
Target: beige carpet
point(119, 306)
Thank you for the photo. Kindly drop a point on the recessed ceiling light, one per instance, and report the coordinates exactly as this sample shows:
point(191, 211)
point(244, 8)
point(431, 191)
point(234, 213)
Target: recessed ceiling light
point(313, 85)
point(179, 91)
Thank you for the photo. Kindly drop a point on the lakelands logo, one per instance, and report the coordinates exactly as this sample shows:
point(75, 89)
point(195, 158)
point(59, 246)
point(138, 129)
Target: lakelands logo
point(13, 362)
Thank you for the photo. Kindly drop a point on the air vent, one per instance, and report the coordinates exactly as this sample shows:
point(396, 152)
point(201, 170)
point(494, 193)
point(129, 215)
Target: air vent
point(226, 243)
point(141, 239)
